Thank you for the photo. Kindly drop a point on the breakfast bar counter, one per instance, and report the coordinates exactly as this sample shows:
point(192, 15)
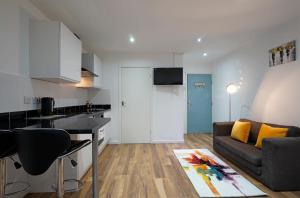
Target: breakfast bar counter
point(73, 125)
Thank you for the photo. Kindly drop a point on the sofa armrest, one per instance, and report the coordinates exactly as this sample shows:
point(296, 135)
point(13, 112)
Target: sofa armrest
point(222, 128)
point(280, 163)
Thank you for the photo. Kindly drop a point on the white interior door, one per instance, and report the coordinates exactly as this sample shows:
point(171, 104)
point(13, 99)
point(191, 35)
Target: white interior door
point(136, 85)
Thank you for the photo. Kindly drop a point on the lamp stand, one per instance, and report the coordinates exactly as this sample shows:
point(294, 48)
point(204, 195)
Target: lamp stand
point(229, 107)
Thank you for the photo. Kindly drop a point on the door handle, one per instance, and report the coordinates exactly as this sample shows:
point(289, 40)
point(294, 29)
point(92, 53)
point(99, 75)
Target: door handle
point(189, 103)
point(123, 104)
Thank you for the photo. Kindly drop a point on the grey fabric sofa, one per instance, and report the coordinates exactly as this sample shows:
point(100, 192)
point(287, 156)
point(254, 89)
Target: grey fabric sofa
point(277, 164)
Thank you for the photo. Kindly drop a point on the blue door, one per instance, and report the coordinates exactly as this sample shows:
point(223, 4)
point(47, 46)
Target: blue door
point(199, 103)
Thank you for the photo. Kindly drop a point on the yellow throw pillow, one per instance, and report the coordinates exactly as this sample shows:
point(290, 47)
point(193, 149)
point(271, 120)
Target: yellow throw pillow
point(241, 131)
point(270, 132)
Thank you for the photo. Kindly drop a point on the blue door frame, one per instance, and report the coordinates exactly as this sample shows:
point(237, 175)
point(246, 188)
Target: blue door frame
point(199, 103)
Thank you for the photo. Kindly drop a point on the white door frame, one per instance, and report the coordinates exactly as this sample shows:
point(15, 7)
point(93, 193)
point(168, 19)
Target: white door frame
point(120, 100)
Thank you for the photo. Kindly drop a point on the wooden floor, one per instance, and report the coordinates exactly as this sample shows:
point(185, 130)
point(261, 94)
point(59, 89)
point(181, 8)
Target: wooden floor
point(149, 171)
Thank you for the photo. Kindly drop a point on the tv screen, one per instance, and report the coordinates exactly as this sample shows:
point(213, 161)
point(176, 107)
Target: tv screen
point(168, 76)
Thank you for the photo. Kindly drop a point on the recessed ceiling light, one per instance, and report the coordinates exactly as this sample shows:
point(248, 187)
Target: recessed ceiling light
point(131, 39)
point(199, 40)
point(205, 54)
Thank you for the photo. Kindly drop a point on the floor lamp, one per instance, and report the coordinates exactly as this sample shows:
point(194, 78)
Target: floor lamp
point(231, 89)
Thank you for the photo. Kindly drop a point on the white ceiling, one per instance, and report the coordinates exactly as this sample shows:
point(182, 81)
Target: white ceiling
point(169, 25)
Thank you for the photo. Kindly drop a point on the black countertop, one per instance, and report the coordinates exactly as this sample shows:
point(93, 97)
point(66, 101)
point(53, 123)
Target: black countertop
point(95, 113)
point(77, 124)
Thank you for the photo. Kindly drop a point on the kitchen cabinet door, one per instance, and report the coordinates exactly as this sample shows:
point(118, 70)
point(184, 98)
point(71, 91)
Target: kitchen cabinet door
point(55, 52)
point(98, 71)
point(70, 54)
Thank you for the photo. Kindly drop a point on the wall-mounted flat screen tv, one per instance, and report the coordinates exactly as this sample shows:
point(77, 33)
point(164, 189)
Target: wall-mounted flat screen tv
point(168, 76)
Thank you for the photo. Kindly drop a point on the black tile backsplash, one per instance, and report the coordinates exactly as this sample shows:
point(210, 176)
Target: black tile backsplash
point(68, 110)
point(33, 113)
point(79, 109)
point(59, 111)
point(4, 120)
point(74, 109)
point(11, 120)
point(18, 119)
point(107, 106)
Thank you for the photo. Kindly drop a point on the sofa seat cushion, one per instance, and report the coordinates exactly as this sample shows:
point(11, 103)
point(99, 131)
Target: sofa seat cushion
point(251, 169)
point(247, 152)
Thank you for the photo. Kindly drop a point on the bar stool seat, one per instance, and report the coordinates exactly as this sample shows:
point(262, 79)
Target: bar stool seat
point(8, 149)
point(75, 146)
point(39, 148)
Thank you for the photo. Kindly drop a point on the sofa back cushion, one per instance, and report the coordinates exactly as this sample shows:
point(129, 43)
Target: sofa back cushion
point(241, 131)
point(255, 128)
point(266, 131)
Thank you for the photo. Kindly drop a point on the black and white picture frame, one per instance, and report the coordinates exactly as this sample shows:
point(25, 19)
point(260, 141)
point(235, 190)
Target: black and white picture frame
point(283, 54)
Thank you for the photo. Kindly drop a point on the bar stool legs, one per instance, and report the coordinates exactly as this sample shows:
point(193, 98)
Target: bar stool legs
point(2, 177)
point(60, 178)
point(4, 185)
point(60, 181)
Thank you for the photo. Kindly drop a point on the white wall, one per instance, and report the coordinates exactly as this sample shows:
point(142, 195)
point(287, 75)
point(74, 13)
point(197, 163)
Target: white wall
point(168, 102)
point(14, 62)
point(196, 63)
point(167, 110)
point(14, 69)
point(266, 94)
point(201, 68)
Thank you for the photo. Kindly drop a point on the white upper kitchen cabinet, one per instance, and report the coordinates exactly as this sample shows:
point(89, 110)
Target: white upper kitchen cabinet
point(98, 71)
point(92, 63)
point(55, 52)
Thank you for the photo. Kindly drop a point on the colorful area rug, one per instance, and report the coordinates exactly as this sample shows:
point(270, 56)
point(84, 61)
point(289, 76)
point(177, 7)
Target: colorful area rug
point(212, 177)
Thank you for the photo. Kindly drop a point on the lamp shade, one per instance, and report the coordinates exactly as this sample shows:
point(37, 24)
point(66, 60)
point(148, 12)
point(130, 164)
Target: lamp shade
point(231, 88)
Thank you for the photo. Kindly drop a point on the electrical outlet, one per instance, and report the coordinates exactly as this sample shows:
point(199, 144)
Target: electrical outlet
point(36, 100)
point(33, 100)
point(27, 100)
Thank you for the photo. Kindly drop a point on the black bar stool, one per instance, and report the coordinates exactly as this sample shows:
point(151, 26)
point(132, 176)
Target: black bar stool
point(8, 150)
point(39, 148)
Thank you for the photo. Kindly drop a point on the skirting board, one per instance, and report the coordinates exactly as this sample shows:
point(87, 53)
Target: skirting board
point(167, 141)
point(156, 142)
point(114, 142)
